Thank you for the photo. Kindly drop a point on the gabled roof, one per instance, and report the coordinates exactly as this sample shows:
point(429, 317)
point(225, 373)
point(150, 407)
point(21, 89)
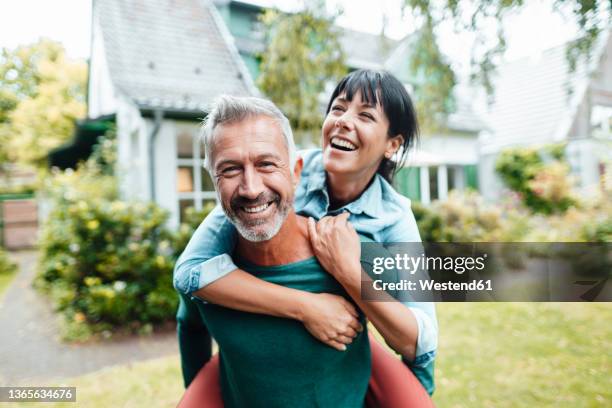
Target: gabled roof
point(531, 101)
point(364, 50)
point(172, 54)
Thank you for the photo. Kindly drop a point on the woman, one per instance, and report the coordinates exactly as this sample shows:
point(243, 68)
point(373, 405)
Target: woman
point(370, 118)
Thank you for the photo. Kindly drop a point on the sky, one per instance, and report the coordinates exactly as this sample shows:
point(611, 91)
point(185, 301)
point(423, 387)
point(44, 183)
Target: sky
point(69, 21)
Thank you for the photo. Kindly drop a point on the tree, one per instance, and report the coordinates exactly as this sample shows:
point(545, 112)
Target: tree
point(42, 93)
point(302, 56)
point(435, 79)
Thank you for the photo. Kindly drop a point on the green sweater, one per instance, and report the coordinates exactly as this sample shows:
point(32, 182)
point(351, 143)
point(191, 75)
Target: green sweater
point(273, 362)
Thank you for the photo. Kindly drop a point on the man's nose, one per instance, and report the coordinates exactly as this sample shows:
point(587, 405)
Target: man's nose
point(251, 185)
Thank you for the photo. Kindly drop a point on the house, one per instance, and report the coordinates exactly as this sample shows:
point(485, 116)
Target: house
point(537, 101)
point(155, 66)
point(442, 161)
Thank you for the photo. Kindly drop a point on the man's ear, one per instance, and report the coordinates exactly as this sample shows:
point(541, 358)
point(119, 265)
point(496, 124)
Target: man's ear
point(297, 171)
point(393, 145)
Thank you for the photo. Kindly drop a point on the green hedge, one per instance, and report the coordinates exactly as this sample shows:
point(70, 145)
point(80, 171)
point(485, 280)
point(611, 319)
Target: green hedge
point(106, 263)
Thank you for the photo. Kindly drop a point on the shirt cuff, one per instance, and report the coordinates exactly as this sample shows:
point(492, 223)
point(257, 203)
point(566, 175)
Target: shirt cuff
point(215, 268)
point(427, 340)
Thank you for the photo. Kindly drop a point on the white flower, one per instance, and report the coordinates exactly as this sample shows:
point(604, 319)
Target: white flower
point(119, 286)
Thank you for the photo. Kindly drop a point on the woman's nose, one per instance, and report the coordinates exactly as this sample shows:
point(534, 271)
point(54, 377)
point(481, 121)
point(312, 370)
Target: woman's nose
point(344, 122)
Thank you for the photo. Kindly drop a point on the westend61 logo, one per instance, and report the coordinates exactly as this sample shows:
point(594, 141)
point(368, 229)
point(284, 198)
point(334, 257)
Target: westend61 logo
point(487, 271)
point(412, 264)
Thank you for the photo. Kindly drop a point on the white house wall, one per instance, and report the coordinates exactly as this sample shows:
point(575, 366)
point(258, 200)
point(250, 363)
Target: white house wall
point(490, 184)
point(132, 167)
point(165, 169)
point(452, 149)
point(101, 97)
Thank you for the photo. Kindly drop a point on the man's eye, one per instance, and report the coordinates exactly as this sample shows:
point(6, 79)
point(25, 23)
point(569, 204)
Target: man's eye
point(231, 169)
point(266, 164)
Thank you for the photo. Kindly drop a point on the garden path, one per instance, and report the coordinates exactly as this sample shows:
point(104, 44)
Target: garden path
point(31, 352)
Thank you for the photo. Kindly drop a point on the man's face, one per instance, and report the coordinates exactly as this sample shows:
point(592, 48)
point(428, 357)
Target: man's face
point(252, 175)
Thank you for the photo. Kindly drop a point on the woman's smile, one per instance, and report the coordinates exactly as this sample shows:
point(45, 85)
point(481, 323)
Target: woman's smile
point(343, 144)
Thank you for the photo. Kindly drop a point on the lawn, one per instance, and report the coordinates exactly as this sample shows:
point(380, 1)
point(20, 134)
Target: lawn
point(490, 355)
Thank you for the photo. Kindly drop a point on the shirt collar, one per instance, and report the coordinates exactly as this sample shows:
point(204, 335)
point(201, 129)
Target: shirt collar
point(368, 203)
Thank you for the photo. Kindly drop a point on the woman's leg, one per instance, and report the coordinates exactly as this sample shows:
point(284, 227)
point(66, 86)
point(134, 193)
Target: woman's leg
point(204, 390)
point(392, 384)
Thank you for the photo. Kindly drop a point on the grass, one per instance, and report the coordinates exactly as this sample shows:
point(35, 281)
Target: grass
point(490, 355)
point(524, 354)
point(154, 383)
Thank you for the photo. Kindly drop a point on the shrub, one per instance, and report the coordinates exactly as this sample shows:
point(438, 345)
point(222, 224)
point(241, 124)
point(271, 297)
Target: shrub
point(589, 221)
point(463, 217)
point(106, 263)
point(540, 178)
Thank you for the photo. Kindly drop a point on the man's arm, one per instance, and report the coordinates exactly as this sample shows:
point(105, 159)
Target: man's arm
point(194, 341)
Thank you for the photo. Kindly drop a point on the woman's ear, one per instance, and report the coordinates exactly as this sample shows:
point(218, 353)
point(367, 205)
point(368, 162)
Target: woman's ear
point(297, 171)
point(393, 145)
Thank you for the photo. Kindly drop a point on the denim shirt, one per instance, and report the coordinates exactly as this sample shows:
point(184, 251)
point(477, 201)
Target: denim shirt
point(380, 213)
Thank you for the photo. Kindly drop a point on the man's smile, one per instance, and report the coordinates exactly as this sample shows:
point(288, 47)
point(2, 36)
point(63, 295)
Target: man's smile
point(256, 209)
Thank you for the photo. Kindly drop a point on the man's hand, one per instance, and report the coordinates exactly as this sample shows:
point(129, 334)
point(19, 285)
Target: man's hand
point(337, 247)
point(331, 319)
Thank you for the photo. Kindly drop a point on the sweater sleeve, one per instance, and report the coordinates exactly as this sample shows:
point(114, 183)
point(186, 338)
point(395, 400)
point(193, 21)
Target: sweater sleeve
point(194, 341)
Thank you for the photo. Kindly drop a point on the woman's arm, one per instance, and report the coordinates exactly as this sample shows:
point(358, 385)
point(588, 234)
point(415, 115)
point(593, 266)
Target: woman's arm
point(206, 270)
point(329, 318)
point(337, 247)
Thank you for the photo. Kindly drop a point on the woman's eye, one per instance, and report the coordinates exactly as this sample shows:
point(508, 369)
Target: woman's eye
point(367, 115)
point(337, 108)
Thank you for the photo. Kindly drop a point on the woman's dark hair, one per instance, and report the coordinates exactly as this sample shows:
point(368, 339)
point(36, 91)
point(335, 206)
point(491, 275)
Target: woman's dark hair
point(395, 102)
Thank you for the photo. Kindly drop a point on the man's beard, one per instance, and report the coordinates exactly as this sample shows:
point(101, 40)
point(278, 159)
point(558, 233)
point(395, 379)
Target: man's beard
point(248, 229)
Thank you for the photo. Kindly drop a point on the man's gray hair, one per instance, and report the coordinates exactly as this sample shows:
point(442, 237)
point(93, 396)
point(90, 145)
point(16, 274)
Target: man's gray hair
point(227, 109)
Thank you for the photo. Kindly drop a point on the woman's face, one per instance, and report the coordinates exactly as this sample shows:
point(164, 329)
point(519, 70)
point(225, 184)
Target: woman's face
point(354, 138)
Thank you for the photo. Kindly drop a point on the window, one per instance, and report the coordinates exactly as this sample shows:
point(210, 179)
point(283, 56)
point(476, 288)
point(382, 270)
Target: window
point(601, 121)
point(194, 186)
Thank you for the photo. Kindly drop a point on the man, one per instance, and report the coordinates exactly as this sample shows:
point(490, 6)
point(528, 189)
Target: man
point(264, 360)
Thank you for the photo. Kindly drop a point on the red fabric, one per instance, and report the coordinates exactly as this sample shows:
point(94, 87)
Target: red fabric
point(392, 384)
point(204, 390)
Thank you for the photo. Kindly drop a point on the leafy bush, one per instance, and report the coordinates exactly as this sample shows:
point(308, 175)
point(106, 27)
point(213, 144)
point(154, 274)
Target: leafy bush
point(463, 217)
point(540, 178)
point(107, 263)
point(6, 265)
point(589, 221)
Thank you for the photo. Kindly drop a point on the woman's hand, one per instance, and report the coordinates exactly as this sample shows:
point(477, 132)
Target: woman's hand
point(336, 245)
point(331, 319)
